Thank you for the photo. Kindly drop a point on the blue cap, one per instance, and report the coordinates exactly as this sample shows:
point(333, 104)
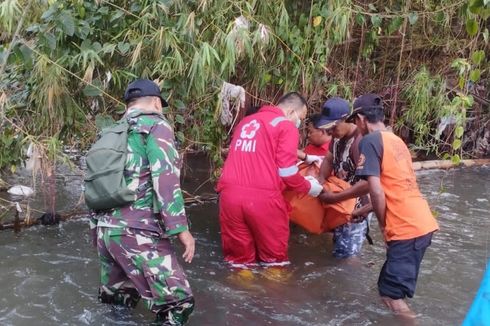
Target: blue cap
point(142, 88)
point(333, 110)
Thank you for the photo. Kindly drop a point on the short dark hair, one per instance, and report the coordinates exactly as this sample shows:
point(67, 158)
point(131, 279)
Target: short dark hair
point(252, 110)
point(293, 99)
point(138, 99)
point(314, 120)
point(374, 115)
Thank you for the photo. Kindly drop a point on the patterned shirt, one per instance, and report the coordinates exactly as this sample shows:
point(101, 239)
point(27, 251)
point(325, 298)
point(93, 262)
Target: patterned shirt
point(153, 171)
point(345, 153)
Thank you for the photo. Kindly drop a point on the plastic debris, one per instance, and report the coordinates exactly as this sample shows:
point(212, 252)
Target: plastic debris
point(232, 99)
point(445, 121)
point(20, 191)
point(264, 33)
point(237, 34)
point(33, 161)
point(241, 23)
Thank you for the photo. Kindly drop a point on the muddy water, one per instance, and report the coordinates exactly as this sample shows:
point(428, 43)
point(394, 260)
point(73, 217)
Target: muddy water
point(48, 276)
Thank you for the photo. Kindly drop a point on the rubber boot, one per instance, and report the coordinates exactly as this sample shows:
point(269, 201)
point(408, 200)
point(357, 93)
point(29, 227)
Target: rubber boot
point(175, 314)
point(128, 297)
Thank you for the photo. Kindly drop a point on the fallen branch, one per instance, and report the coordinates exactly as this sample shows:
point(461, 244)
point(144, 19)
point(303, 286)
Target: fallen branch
point(447, 164)
point(18, 224)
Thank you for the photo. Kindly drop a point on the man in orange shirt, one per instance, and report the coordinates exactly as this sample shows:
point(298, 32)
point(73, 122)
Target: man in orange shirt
point(403, 214)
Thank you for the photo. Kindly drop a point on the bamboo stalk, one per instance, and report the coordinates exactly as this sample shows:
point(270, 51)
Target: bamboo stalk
point(14, 38)
point(397, 84)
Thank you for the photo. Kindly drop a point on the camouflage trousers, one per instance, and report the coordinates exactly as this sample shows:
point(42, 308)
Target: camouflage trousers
point(138, 263)
point(348, 238)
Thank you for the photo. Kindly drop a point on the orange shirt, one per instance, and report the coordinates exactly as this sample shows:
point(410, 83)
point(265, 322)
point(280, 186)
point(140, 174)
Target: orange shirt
point(408, 215)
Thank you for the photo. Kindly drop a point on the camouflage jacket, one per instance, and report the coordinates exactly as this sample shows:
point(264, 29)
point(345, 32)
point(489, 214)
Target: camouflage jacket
point(152, 169)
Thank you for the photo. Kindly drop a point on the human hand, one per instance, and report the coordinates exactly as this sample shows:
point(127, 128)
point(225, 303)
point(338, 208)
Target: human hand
point(328, 197)
point(310, 159)
point(315, 187)
point(189, 243)
point(357, 216)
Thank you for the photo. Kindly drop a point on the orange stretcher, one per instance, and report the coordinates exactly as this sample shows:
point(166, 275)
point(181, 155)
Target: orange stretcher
point(310, 213)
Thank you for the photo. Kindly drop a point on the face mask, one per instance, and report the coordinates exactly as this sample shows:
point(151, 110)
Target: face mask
point(298, 120)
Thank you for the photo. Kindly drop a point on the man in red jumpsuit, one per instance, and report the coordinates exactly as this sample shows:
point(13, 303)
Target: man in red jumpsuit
point(262, 163)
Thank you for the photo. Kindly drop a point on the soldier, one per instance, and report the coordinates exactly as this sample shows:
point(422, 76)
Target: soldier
point(136, 257)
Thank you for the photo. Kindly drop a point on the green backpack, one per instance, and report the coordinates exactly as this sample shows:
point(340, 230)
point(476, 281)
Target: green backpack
point(105, 187)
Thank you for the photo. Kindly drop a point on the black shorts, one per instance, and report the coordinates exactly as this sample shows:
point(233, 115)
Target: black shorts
point(399, 274)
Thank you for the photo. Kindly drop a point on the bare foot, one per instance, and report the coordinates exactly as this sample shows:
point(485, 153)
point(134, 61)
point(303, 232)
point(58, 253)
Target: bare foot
point(352, 261)
point(399, 307)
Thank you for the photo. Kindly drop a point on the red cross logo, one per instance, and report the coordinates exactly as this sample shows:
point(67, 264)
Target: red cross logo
point(249, 130)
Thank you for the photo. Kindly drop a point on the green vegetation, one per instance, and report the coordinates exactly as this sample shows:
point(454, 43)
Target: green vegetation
point(64, 64)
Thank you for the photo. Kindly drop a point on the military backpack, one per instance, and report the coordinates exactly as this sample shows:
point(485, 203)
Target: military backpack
point(105, 186)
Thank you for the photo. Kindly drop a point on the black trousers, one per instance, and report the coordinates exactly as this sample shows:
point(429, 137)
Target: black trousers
point(398, 276)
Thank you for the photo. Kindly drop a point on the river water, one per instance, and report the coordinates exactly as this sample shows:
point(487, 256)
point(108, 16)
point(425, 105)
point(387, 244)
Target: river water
point(49, 275)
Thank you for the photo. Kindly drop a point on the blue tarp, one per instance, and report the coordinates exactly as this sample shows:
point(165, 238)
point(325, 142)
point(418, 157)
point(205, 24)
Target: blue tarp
point(479, 313)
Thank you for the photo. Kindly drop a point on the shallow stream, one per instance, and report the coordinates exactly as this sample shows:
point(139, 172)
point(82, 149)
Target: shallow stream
point(49, 275)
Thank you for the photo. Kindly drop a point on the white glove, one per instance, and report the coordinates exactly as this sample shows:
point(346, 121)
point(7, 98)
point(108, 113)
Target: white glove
point(310, 159)
point(315, 186)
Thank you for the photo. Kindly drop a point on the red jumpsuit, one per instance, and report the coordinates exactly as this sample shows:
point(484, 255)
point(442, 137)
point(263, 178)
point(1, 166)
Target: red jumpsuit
point(253, 213)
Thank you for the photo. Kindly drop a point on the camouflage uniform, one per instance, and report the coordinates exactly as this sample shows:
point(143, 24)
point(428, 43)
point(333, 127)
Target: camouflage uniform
point(348, 238)
point(135, 253)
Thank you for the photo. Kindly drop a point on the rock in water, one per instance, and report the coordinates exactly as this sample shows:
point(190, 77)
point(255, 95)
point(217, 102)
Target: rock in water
point(49, 218)
point(20, 191)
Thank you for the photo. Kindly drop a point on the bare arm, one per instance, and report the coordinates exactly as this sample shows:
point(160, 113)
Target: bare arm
point(301, 155)
point(359, 189)
point(362, 211)
point(326, 168)
point(378, 200)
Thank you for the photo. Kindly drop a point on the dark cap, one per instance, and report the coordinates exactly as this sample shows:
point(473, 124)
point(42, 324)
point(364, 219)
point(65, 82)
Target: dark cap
point(366, 104)
point(333, 110)
point(142, 88)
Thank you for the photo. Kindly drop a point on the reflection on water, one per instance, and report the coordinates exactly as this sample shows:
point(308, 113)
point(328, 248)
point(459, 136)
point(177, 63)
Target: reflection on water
point(49, 276)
